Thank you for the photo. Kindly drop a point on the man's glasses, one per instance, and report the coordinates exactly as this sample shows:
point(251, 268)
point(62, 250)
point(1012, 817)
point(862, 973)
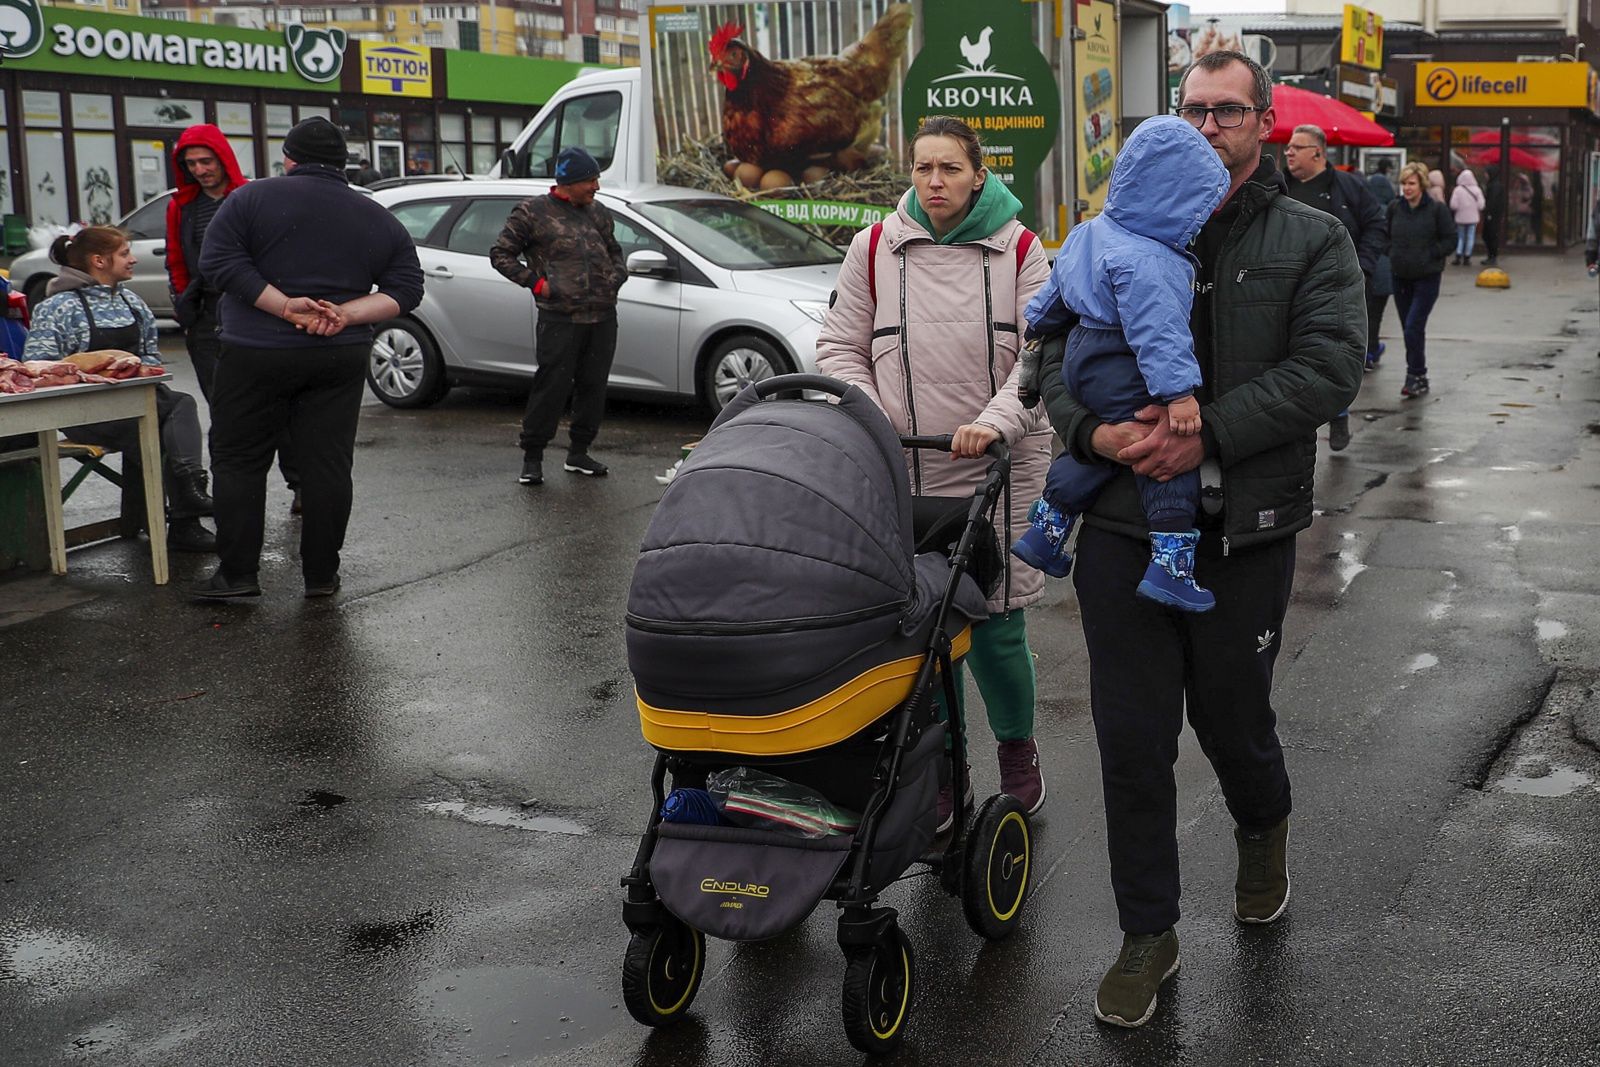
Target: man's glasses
point(1227, 116)
point(1292, 147)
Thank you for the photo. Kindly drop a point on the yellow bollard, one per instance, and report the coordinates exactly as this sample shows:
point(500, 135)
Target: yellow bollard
point(1493, 278)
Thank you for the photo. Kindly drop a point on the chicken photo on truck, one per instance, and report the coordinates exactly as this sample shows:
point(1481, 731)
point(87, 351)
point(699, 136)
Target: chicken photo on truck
point(805, 107)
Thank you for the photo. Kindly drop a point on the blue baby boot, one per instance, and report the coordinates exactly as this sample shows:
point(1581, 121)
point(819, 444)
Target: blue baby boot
point(1169, 579)
point(1044, 545)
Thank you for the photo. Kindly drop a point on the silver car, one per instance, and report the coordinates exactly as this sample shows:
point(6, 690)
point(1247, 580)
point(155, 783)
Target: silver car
point(720, 294)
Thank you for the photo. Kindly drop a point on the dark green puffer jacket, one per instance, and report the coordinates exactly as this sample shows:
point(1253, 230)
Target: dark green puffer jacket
point(1289, 323)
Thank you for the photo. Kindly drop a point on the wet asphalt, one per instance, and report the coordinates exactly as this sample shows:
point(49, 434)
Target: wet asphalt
point(388, 828)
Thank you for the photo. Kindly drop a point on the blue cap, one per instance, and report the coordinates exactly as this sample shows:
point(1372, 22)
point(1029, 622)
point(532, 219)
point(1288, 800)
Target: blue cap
point(575, 165)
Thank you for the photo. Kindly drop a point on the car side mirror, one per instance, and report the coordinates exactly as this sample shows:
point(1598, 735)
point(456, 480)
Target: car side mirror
point(508, 164)
point(649, 263)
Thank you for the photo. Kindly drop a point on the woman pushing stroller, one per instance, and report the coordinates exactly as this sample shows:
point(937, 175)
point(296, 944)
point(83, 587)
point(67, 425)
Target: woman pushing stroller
point(925, 321)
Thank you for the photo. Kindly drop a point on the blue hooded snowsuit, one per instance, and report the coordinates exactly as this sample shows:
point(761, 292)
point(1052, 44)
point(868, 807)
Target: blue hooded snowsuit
point(1128, 279)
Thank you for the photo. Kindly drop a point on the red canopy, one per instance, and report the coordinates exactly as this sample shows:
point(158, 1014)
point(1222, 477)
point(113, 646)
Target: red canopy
point(1342, 123)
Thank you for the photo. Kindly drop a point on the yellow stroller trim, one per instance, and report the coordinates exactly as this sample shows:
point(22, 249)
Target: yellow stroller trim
point(829, 719)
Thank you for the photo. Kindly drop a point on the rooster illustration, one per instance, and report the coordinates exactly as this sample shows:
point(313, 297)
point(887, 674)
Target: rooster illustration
point(977, 54)
point(782, 114)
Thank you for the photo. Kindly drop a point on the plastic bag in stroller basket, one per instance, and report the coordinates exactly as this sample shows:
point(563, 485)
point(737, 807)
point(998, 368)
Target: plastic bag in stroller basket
point(741, 884)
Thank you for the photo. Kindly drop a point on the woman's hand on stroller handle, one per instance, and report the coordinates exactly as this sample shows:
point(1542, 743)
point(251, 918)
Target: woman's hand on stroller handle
point(972, 440)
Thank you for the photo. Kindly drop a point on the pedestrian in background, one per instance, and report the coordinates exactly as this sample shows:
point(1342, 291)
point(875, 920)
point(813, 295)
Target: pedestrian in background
point(1421, 234)
point(1435, 185)
point(306, 265)
point(1380, 184)
point(366, 173)
point(1281, 350)
point(207, 172)
point(1351, 201)
point(1466, 207)
point(1493, 212)
point(924, 321)
point(574, 267)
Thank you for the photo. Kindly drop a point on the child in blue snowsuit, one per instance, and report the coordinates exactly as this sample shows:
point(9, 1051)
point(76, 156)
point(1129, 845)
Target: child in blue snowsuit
point(1128, 279)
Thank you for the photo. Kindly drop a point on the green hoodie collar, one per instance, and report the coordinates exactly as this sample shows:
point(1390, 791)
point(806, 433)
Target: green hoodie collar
point(996, 206)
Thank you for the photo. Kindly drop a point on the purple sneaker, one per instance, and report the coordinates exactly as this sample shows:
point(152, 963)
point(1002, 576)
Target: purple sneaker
point(1020, 775)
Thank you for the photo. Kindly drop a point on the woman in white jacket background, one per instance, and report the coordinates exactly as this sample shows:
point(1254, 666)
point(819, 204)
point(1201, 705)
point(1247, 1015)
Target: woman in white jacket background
point(1466, 204)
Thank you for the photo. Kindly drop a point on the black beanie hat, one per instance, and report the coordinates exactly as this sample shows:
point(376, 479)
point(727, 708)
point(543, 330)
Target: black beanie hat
point(316, 140)
point(575, 165)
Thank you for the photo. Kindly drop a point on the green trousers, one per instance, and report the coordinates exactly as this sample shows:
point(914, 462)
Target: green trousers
point(1002, 666)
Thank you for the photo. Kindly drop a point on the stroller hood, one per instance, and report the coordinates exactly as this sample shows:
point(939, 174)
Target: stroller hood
point(778, 566)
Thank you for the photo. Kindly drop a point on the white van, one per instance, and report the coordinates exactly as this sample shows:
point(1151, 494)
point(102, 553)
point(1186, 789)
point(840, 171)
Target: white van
point(605, 113)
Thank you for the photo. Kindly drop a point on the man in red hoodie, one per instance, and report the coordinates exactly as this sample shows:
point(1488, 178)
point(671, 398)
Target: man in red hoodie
point(207, 172)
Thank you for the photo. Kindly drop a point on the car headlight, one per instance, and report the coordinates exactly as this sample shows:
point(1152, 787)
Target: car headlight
point(812, 309)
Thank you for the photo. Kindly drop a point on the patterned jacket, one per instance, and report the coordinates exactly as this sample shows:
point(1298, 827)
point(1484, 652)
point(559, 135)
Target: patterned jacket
point(570, 250)
point(60, 328)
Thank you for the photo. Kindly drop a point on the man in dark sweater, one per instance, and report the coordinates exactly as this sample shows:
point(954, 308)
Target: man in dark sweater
point(305, 266)
point(574, 268)
point(1351, 201)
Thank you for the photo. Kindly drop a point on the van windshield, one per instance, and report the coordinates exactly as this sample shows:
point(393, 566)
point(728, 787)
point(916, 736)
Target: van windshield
point(738, 236)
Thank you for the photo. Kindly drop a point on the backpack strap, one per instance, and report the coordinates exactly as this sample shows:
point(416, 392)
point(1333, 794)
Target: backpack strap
point(872, 261)
point(1024, 243)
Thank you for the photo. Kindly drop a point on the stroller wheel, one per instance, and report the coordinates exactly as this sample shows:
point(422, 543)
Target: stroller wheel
point(879, 983)
point(999, 854)
point(661, 972)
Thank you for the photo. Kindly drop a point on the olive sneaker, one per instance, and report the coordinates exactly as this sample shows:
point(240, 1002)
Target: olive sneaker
point(1127, 994)
point(1261, 890)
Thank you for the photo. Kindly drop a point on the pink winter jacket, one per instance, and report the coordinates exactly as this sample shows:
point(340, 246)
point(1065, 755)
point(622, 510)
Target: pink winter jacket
point(1466, 202)
point(946, 324)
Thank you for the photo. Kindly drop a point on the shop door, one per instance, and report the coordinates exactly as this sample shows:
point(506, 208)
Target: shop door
point(389, 157)
point(150, 155)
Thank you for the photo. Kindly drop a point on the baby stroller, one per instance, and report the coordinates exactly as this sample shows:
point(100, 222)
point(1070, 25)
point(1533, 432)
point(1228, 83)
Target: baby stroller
point(781, 618)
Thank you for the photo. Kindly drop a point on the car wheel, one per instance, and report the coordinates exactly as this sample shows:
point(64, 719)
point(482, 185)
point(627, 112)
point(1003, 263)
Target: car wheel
point(737, 362)
point(405, 370)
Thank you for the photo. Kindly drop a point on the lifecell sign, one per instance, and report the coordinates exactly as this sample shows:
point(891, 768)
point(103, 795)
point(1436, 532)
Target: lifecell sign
point(1502, 85)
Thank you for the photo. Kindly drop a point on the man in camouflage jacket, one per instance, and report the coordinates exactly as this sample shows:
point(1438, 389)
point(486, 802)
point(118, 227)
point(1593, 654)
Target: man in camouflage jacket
point(574, 267)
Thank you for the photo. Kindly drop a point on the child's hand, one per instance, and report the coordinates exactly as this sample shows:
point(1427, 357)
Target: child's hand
point(1183, 416)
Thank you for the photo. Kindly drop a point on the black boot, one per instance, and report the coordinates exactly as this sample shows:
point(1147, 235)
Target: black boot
point(190, 535)
point(187, 497)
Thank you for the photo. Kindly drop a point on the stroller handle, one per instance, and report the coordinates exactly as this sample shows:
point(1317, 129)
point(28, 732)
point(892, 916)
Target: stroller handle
point(940, 442)
point(785, 383)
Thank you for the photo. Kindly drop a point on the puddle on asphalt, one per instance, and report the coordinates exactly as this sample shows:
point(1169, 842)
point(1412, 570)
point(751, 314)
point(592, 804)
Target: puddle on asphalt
point(1513, 534)
point(49, 964)
point(100, 1039)
point(1550, 629)
point(1444, 454)
point(1423, 662)
point(383, 935)
point(322, 798)
point(511, 1012)
point(510, 817)
point(1349, 569)
point(1447, 483)
point(1538, 777)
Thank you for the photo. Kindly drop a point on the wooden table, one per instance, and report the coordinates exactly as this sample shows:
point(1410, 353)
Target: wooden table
point(47, 411)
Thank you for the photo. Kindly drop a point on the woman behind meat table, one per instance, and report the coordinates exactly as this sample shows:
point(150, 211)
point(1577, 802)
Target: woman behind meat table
point(928, 329)
point(88, 308)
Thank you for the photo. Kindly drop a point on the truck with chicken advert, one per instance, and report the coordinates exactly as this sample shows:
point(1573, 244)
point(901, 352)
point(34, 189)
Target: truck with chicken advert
point(805, 107)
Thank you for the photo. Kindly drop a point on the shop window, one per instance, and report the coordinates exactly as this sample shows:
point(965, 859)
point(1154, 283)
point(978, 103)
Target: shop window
point(96, 158)
point(353, 121)
point(509, 128)
point(41, 109)
point(454, 157)
point(419, 126)
point(452, 127)
point(483, 129)
point(7, 203)
point(483, 157)
point(244, 149)
point(420, 159)
point(92, 111)
point(162, 111)
point(274, 156)
point(1533, 189)
point(386, 125)
point(47, 177)
point(280, 117)
point(235, 117)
